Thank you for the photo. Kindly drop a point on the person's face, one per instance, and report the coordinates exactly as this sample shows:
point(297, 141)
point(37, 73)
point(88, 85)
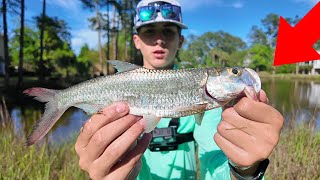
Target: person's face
point(158, 43)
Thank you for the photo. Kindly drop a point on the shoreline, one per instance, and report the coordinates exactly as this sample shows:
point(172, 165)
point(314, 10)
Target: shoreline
point(266, 75)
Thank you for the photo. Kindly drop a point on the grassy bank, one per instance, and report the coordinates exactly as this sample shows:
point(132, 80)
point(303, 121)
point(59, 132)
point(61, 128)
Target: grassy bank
point(21, 162)
point(290, 76)
point(297, 155)
point(35, 162)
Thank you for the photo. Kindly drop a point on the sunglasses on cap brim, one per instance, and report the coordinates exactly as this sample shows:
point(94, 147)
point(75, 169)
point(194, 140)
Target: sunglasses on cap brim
point(168, 11)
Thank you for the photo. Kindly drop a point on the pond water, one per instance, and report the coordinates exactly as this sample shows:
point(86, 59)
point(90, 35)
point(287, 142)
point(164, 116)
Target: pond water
point(298, 101)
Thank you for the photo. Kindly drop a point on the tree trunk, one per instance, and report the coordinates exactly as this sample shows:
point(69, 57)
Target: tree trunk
point(133, 52)
point(115, 34)
point(5, 43)
point(20, 80)
point(99, 39)
point(125, 44)
point(108, 36)
point(42, 26)
point(297, 68)
point(124, 25)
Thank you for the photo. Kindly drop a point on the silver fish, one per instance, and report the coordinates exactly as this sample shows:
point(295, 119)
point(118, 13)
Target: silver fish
point(152, 94)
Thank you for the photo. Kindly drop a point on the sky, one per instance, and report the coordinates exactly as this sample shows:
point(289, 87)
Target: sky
point(233, 16)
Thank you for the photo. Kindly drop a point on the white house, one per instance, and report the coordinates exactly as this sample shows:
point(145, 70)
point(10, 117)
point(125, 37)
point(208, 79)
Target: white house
point(315, 66)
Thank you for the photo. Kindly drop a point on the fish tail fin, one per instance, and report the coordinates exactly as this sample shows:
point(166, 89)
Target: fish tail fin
point(51, 114)
point(41, 94)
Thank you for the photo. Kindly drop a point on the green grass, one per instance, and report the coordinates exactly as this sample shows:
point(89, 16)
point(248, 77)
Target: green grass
point(37, 162)
point(44, 161)
point(297, 155)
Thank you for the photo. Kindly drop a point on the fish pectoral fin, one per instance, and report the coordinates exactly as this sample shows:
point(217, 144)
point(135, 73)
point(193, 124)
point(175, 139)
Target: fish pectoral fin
point(198, 117)
point(122, 66)
point(89, 108)
point(150, 121)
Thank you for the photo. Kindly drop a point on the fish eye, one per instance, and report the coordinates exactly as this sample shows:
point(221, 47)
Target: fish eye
point(235, 71)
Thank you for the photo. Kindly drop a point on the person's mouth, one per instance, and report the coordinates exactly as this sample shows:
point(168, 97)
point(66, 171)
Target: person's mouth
point(159, 54)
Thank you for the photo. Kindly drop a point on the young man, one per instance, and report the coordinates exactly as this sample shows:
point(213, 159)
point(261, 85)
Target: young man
point(234, 146)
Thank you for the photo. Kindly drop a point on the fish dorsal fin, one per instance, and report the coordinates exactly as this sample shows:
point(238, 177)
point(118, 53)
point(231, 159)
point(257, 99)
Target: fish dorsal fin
point(122, 66)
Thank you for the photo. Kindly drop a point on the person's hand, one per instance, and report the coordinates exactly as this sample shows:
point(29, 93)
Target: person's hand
point(107, 145)
point(249, 131)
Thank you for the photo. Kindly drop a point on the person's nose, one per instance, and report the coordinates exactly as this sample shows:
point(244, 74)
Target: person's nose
point(160, 42)
point(159, 39)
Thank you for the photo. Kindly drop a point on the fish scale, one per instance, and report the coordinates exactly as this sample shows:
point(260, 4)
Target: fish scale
point(149, 93)
point(184, 90)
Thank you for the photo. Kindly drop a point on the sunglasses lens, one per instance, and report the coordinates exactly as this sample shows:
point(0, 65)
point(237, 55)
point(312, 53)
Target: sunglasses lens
point(170, 12)
point(146, 13)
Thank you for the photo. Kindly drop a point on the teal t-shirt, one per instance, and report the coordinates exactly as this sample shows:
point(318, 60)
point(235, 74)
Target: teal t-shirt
point(181, 163)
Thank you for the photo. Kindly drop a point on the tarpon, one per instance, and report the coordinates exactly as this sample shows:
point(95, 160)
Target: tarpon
point(152, 94)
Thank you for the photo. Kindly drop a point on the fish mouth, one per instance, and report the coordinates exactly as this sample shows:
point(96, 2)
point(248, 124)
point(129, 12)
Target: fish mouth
point(253, 82)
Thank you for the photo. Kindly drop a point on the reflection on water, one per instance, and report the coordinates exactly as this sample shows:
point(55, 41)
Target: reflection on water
point(63, 132)
point(69, 124)
point(311, 94)
point(17, 122)
point(298, 101)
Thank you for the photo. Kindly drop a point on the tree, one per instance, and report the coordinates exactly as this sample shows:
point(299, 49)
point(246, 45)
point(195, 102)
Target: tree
point(20, 80)
point(261, 57)
point(237, 58)
point(56, 33)
point(62, 61)
point(5, 43)
point(97, 24)
point(257, 36)
point(222, 40)
point(218, 57)
point(267, 34)
point(7, 6)
point(59, 59)
point(271, 23)
point(30, 50)
point(86, 61)
point(211, 48)
point(42, 28)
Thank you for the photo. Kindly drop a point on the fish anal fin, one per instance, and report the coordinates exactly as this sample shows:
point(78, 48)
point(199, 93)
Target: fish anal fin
point(89, 108)
point(122, 66)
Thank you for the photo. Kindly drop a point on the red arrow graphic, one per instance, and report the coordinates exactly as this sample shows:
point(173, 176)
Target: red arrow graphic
point(294, 44)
